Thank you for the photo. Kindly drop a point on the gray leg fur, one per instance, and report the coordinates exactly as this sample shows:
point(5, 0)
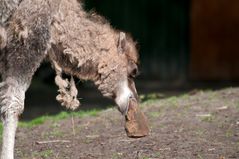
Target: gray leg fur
point(12, 105)
point(19, 68)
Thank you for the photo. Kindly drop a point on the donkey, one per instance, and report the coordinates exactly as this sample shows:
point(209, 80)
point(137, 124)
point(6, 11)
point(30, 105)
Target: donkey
point(77, 43)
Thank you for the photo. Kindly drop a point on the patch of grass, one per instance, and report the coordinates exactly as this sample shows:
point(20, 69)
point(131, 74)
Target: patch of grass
point(173, 101)
point(199, 132)
point(61, 116)
point(81, 114)
point(55, 118)
point(208, 90)
point(238, 145)
point(55, 133)
point(34, 122)
point(20, 153)
point(184, 96)
point(58, 117)
point(229, 133)
point(156, 99)
point(161, 126)
point(158, 154)
point(151, 96)
point(199, 156)
point(150, 99)
point(43, 154)
point(155, 114)
point(148, 102)
point(87, 140)
point(117, 155)
point(211, 94)
point(237, 105)
point(207, 119)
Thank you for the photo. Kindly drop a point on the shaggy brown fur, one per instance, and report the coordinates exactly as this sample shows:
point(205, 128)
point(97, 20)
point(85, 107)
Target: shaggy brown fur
point(75, 42)
point(7, 7)
point(91, 48)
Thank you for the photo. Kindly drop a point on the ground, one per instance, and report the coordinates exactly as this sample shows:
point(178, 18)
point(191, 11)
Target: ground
point(195, 125)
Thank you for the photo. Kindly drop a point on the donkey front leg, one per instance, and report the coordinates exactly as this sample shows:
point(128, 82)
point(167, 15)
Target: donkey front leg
point(12, 94)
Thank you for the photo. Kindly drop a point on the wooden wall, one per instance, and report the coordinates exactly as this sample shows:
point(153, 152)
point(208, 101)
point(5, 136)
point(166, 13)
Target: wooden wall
point(214, 40)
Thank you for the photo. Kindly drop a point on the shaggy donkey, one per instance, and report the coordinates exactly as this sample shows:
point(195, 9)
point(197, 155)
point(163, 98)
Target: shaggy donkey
point(75, 42)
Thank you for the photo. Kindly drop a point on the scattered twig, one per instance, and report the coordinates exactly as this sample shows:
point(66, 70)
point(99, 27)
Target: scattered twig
point(212, 149)
point(73, 125)
point(93, 136)
point(125, 140)
point(165, 149)
point(223, 108)
point(203, 115)
point(52, 141)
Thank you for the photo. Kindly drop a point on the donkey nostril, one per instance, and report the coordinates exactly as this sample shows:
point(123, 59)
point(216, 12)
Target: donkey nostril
point(131, 96)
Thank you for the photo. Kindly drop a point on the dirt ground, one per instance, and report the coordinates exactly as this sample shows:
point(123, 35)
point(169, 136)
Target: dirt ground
point(196, 125)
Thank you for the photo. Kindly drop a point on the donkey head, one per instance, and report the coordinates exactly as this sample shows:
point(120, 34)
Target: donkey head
point(117, 72)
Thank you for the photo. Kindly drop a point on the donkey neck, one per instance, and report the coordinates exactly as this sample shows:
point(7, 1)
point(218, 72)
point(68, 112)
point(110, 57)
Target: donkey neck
point(84, 38)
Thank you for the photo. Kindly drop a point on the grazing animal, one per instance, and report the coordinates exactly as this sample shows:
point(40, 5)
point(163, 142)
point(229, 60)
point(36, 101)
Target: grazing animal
point(77, 43)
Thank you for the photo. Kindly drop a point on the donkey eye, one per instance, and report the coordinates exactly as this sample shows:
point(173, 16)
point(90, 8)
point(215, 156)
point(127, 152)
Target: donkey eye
point(132, 69)
point(134, 72)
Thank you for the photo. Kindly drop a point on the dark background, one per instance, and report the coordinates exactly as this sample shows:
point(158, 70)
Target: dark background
point(183, 45)
point(161, 29)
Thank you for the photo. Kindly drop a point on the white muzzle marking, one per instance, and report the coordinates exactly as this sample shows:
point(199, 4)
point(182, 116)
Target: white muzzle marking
point(123, 96)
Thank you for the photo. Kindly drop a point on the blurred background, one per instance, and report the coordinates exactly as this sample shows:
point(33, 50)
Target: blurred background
point(184, 45)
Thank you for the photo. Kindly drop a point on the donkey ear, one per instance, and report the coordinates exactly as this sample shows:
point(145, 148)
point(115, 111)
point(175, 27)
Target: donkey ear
point(122, 43)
